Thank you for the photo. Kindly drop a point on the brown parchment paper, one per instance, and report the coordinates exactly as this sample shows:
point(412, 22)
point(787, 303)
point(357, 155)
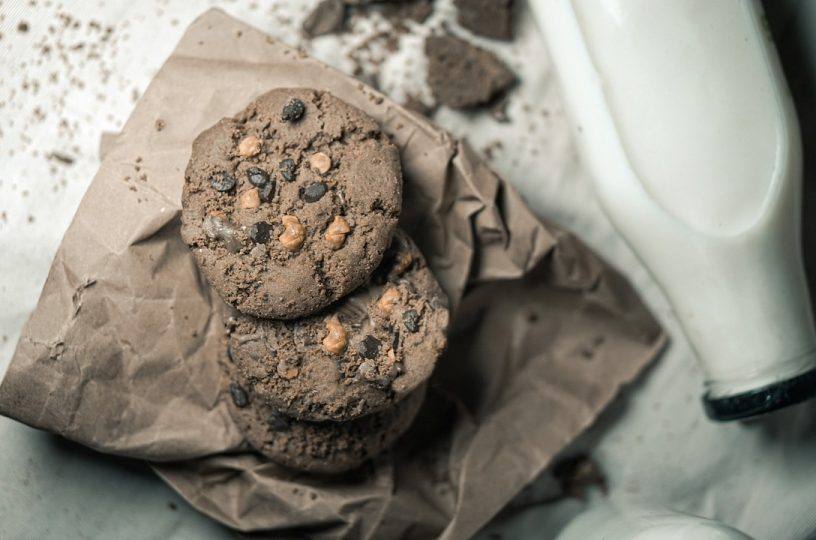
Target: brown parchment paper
point(121, 352)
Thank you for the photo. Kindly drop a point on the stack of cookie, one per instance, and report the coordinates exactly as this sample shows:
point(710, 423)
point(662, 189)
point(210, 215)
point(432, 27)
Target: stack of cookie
point(291, 211)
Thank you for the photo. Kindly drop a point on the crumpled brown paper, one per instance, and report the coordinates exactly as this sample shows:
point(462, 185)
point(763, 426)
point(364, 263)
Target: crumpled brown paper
point(121, 352)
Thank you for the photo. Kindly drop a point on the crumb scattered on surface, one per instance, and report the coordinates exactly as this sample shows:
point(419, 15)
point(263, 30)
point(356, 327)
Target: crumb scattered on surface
point(415, 104)
point(491, 149)
point(60, 157)
point(578, 474)
point(327, 17)
point(488, 18)
point(462, 75)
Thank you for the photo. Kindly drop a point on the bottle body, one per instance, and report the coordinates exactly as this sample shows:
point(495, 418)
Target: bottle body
point(689, 132)
point(619, 522)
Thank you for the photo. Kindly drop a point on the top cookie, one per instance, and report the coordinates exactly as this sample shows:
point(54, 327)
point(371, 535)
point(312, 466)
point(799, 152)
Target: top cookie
point(290, 205)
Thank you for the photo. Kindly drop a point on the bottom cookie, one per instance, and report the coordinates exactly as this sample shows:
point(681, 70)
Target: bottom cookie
point(320, 447)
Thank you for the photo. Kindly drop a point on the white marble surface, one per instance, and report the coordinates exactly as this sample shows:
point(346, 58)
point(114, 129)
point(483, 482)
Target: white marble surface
point(654, 444)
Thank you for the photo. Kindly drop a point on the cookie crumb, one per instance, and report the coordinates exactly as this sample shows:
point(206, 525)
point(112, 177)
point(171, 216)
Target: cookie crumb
point(499, 111)
point(326, 18)
point(22, 27)
point(160, 124)
point(62, 158)
point(415, 104)
point(488, 18)
point(578, 474)
point(462, 75)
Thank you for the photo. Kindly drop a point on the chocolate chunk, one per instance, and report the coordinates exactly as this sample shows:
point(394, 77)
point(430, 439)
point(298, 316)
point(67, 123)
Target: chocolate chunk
point(277, 421)
point(382, 382)
point(489, 18)
point(326, 18)
point(257, 177)
point(267, 192)
point(293, 111)
point(369, 347)
point(367, 370)
point(462, 75)
point(411, 320)
point(259, 232)
point(313, 192)
point(239, 395)
point(287, 169)
point(222, 181)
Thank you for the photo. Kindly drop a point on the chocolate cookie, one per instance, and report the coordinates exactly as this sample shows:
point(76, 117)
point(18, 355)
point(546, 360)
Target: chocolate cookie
point(321, 447)
point(290, 205)
point(357, 357)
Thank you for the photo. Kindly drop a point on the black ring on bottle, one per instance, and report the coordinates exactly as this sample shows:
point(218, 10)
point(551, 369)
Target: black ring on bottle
point(762, 400)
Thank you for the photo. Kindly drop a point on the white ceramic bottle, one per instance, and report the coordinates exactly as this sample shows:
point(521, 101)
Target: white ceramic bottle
point(683, 117)
point(617, 522)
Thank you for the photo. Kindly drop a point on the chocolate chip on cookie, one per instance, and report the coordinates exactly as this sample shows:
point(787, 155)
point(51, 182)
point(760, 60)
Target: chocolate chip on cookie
point(222, 181)
point(287, 169)
point(293, 111)
point(267, 192)
point(276, 421)
point(259, 232)
point(313, 192)
point(257, 177)
point(410, 319)
point(369, 347)
point(239, 395)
